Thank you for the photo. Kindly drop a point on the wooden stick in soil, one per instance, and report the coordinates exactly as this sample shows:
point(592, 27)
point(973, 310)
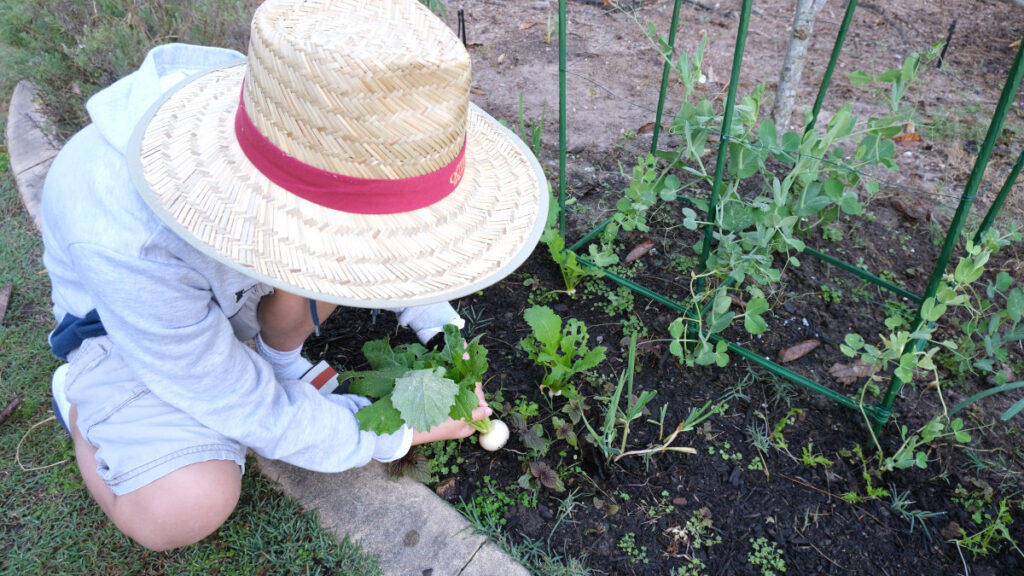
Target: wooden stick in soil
point(11, 407)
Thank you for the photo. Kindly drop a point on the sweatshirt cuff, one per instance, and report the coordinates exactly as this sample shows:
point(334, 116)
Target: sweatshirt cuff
point(391, 447)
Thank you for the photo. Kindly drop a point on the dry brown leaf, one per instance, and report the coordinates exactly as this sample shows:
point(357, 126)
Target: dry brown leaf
point(446, 489)
point(525, 25)
point(643, 346)
point(850, 373)
point(907, 138)
point(639, 250)
point(11, 407)
point(796, 351)
point(649, 127)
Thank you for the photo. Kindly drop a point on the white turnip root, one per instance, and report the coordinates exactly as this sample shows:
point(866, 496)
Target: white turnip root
point(496, 437)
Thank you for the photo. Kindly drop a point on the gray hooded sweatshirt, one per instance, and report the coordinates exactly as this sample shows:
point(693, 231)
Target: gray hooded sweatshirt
point(165, 305)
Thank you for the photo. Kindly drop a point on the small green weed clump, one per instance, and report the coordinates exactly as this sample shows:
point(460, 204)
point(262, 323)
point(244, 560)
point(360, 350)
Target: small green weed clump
point(766, 556)
point(637, 554)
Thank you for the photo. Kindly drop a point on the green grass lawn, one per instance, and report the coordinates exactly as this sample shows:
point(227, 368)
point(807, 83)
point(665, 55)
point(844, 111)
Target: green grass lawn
point(49, 524)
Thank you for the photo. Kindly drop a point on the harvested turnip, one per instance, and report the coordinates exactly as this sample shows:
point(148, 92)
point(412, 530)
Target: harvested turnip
point(494, 438)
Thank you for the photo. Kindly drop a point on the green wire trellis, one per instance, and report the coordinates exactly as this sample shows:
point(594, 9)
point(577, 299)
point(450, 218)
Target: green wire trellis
point(879, 413)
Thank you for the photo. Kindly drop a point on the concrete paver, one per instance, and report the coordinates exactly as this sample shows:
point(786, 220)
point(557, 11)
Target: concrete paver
point(30, 144)
point(414, 532)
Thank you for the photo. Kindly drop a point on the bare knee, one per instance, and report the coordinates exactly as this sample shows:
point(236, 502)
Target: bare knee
point(181, 508)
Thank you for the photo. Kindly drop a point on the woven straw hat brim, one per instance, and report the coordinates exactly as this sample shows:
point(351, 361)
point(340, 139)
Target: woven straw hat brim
point(188, 167)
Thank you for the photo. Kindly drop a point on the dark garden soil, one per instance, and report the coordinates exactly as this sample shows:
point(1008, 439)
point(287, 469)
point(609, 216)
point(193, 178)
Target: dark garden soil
point(741, 492)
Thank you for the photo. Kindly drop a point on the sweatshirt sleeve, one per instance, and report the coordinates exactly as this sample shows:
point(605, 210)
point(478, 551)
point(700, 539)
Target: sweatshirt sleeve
point(162, 315)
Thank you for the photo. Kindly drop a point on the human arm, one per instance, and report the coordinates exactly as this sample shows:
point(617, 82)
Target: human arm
point(159, 309)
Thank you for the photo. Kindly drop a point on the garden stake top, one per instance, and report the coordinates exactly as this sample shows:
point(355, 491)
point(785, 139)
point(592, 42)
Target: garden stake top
point(698, 323)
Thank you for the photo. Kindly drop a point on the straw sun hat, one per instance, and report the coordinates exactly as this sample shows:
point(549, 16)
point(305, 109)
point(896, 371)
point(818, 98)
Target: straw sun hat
point(343, 160)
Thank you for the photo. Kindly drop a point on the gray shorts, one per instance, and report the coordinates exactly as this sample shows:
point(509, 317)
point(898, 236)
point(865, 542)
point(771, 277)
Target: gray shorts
point(138, 437)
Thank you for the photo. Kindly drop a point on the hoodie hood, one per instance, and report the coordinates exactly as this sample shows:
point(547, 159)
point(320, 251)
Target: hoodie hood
point(116, 110)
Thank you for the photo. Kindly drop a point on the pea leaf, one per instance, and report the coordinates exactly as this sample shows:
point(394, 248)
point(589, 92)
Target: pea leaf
point(424, 397)
point(767, 135)
point(1015, 304)
point(752, 321)
point(743, 161)
point(857, 77)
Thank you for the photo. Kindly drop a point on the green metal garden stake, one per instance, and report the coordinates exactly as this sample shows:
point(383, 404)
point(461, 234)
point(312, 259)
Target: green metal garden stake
point(561, 117)
point(723, 144)
point(664, 75)
point(997, 204)
point(826, 81)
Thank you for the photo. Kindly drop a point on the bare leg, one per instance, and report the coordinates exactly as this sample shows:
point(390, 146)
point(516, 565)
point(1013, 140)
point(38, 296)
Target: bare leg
point(285, 321)
point(181, 508)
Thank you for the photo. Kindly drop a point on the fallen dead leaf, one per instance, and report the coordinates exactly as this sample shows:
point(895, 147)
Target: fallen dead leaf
point(850, 373)
point(446, 489)
point(644, 346)
point(9, 409)
point(525, 25)
point(951, 531)
point(917, 209)
point(796, 351)
point(907, 138)
point(649, 127)
point(639, 250)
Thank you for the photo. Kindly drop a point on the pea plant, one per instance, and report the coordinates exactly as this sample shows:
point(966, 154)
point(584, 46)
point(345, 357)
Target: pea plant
point(777, 188)
point(955, 293)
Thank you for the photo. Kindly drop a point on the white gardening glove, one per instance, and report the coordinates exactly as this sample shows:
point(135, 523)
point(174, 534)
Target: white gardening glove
point(429, 320)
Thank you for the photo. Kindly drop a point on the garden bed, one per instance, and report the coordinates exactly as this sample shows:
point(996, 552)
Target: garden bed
point(737, 491)
point(777, 473)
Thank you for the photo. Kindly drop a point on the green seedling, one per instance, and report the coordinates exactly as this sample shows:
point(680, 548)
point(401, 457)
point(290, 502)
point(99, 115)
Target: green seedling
point(562, 351)
point(767, 557)
point(637, 554)
point(613, 416)
point(573, 271)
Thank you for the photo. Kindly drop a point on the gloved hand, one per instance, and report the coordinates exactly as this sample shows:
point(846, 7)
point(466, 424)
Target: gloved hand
point(428, 320)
